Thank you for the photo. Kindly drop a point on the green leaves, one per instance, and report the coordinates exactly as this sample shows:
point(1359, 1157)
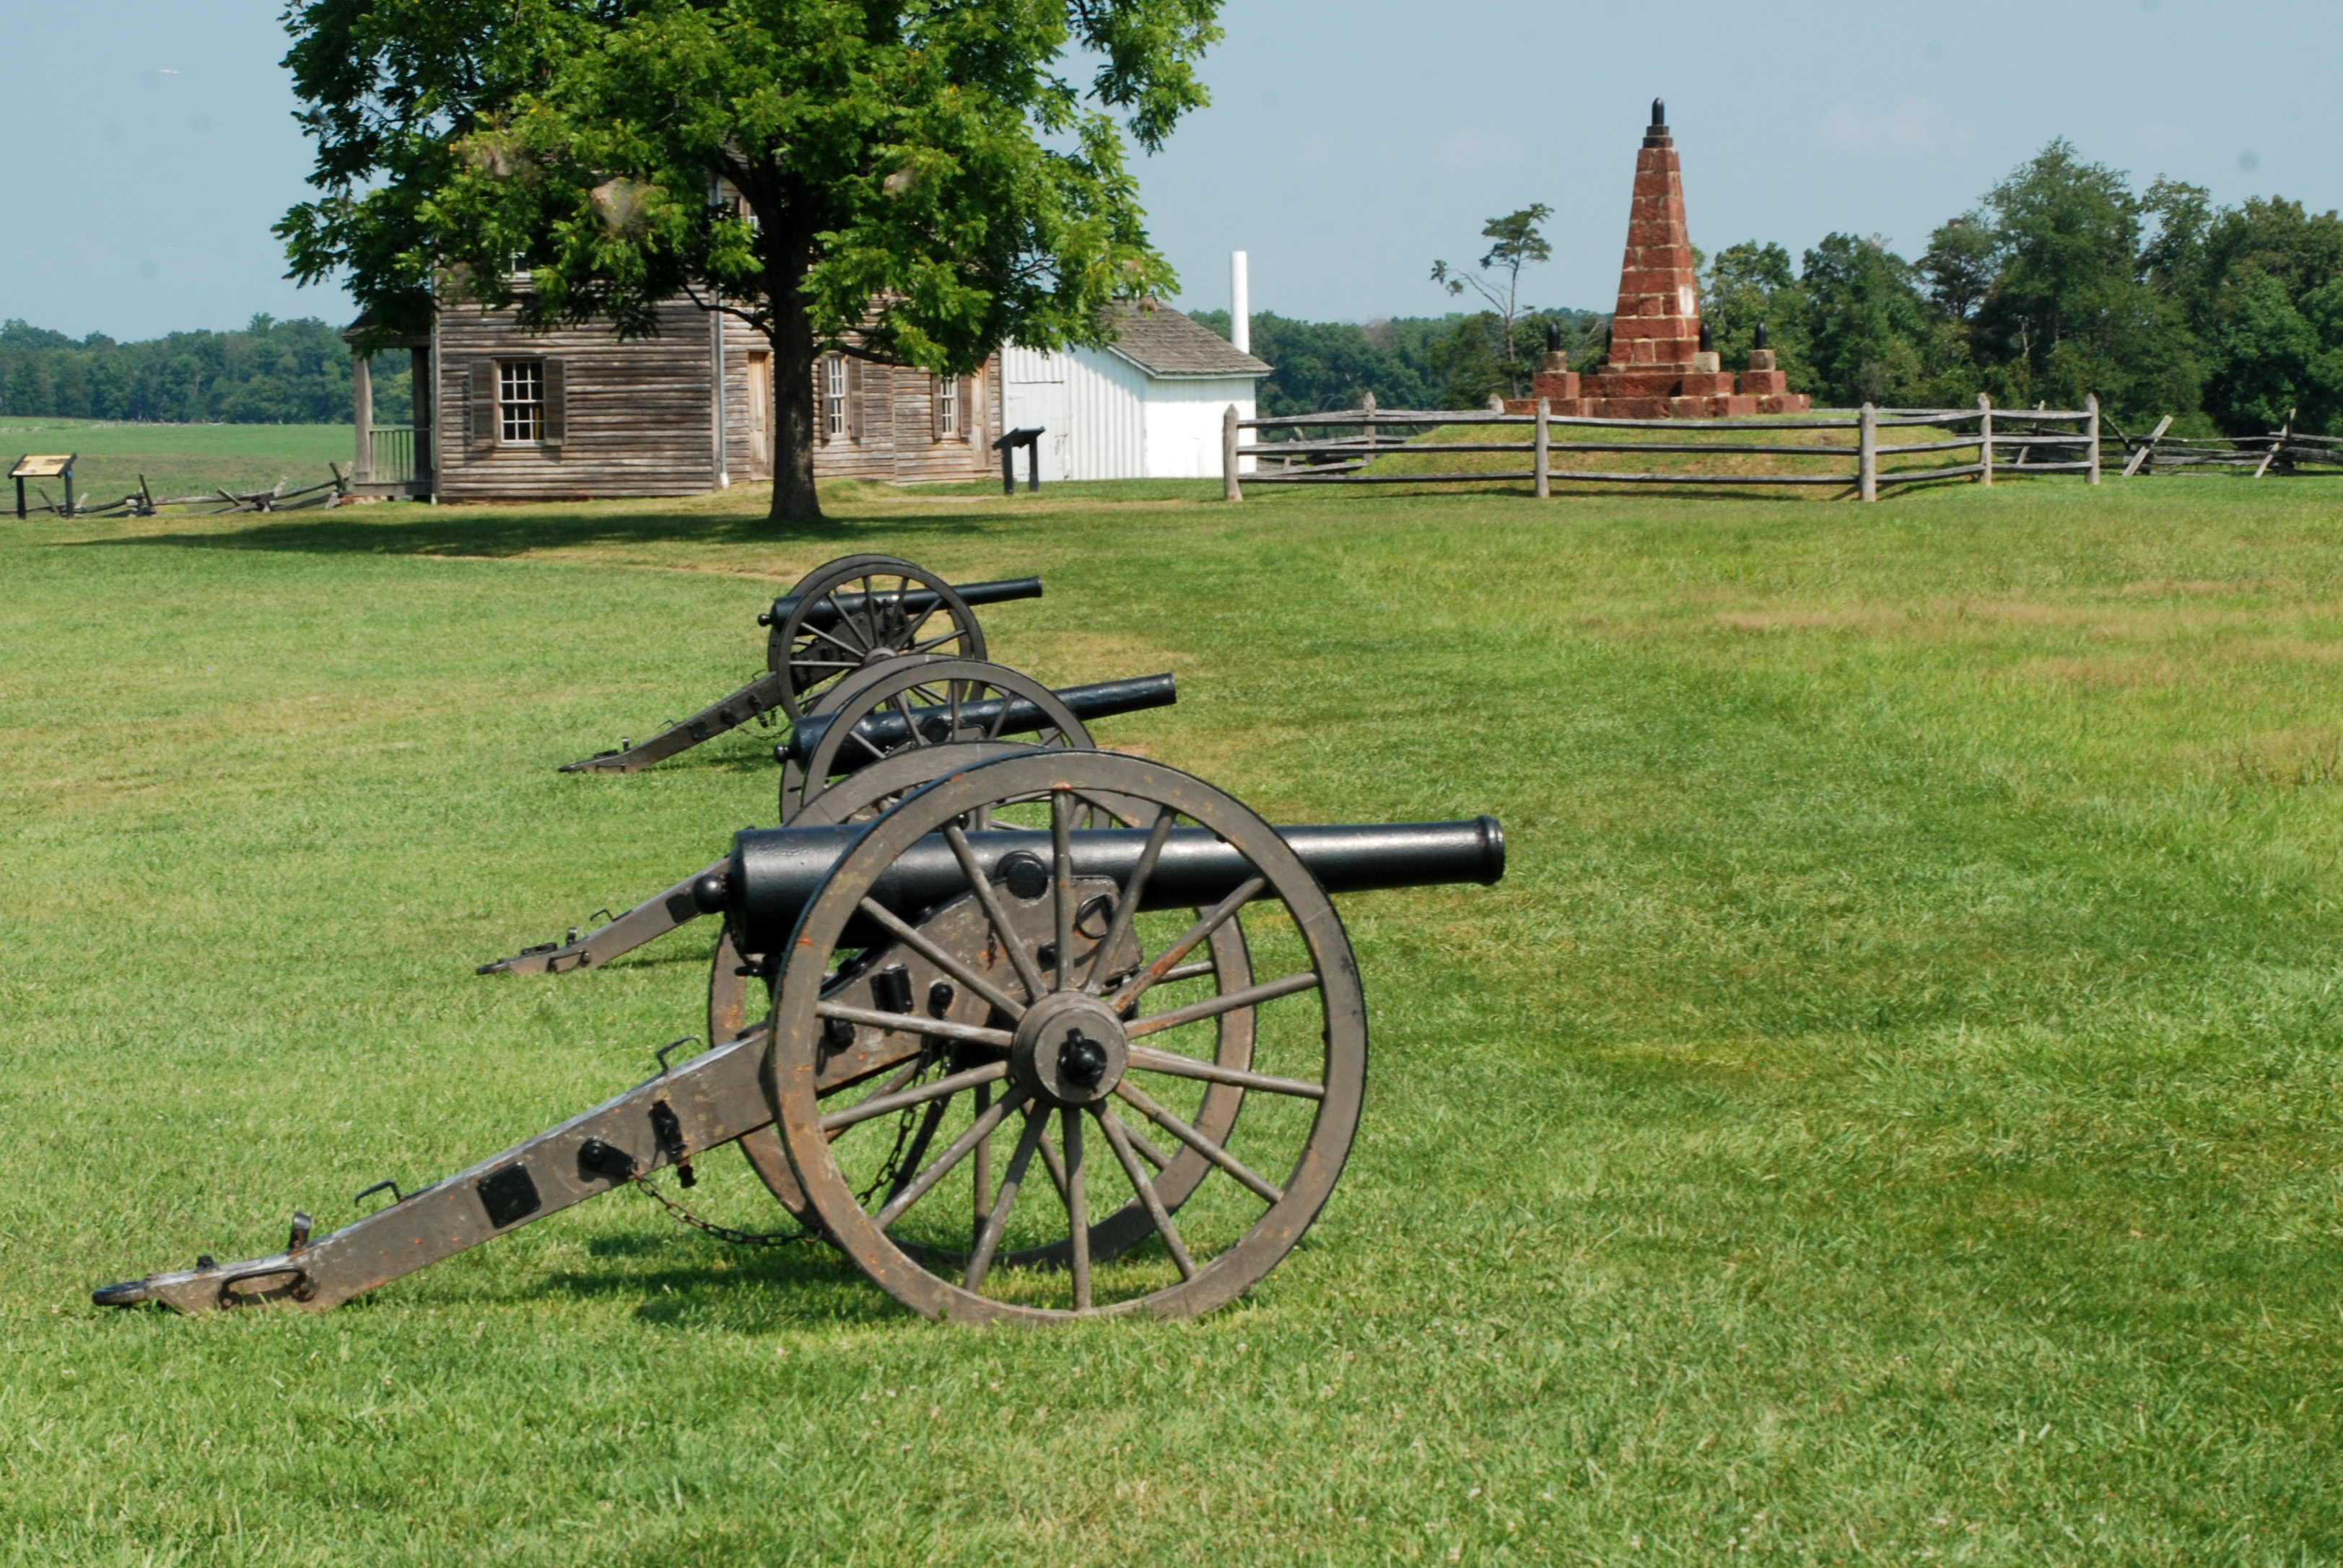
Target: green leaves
point(907, 180)
point(918, 174)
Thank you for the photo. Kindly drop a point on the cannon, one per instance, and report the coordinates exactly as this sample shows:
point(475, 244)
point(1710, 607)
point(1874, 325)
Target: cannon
point(905, 706)
point(918, 703)
point(946, 988)
point(843, 616)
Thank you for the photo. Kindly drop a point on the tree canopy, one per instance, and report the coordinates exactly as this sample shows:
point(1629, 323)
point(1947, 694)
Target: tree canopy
point(2064, 282)
point(271, 372)
point(911, 181)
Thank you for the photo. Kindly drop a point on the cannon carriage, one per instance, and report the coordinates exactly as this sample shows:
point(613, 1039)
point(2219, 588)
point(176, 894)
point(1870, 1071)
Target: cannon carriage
point(854, 626)
point(927, 707)
point(976, 981)
point(844, 616)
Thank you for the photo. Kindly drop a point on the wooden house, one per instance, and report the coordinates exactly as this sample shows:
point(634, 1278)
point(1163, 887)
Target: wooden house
point(506, 414)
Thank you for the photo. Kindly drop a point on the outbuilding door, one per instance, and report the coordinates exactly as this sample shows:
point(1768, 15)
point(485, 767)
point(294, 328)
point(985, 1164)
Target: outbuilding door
point(1034, 392)
point(761, 414)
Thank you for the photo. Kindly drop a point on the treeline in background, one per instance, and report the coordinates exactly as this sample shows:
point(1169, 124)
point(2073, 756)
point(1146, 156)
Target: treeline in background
point(271, 372)
point(1453, 361)
point(2063, 282)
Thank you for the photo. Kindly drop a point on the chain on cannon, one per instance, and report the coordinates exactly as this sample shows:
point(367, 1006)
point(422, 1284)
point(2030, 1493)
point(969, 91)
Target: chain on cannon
point(844, 616)
point(1021, 986)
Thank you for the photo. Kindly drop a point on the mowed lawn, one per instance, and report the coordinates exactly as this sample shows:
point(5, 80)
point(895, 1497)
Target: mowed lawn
point(1893, 1108)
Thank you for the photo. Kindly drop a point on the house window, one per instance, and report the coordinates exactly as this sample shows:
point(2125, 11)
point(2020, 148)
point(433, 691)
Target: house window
point(520, 400)
point(833, 396)
point(947, 408)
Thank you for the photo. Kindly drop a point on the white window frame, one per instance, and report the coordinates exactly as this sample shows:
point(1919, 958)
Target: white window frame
point(948, 427)
point(520, 402)
point(833, 397)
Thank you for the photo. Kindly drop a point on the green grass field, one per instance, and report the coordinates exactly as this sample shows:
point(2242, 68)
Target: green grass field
point(1892, 1109)
point(177, 459)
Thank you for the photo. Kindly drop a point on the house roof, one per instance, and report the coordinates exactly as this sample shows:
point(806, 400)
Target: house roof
point(359, 328)
point(1161, 341)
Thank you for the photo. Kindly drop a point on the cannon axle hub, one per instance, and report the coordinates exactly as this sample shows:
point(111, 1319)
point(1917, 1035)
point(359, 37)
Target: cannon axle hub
point(1069, 1049)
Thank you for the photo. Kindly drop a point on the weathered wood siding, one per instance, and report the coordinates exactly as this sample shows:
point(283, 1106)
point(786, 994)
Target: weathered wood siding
point(891, 434)
point(639, 419)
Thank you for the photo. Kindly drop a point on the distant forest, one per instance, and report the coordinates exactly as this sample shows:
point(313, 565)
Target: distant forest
point(2063, 281)
point(1409, 362)
point(271, 372)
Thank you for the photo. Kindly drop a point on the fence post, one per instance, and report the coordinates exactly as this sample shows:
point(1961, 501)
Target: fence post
point(362, 416)
point(1866, 473)
point(2277, 443)
point(2144, 460)
point(1230, 489)
point(1985, 440)
point(2091, 432)
point(1370, 406)
point(1543, 463)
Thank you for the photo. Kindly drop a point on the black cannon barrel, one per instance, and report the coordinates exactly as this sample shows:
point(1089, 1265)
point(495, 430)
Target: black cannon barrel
point(887, 729)
point(774, 873)
point(914, 604)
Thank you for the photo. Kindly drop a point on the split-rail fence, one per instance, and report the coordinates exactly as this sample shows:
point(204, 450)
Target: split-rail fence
point(1356, 441)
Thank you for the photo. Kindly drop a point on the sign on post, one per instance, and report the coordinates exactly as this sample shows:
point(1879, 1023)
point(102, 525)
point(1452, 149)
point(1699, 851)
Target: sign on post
point(43, 465)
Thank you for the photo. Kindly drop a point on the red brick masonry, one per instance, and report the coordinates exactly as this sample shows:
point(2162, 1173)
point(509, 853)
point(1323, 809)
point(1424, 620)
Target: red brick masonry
point(1656, 370)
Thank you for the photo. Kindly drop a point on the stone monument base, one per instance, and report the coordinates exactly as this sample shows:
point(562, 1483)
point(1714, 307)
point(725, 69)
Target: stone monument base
point(1693, 389)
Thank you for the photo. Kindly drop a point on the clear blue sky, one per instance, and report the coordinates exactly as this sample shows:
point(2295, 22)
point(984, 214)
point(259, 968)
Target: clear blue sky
point(148, 144)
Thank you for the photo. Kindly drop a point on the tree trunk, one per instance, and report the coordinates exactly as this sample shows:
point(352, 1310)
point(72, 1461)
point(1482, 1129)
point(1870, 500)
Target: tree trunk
point(794, 499)
point(794, 406)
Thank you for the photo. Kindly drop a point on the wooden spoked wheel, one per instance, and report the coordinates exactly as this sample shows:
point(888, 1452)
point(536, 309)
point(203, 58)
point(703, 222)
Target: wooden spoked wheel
point(857, 611)
point(1045, 1011)
point(915, 705)
point(734, 977)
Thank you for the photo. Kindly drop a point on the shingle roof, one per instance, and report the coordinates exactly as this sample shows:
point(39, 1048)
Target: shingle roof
point(1162, 342)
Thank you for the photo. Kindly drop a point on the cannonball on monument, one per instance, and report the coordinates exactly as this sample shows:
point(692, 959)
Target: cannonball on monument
point(1553, 337)
point(1761, 336)
point(1659, 115)
point(1707, 337)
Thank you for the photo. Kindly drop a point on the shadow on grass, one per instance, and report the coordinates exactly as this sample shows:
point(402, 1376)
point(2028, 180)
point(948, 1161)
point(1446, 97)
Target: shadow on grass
point(767, 1288)
point(476, 532)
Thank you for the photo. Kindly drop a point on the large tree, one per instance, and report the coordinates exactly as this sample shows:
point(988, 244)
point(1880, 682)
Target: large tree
point(1866, 324)
point(2070, 310)
point(922, 179)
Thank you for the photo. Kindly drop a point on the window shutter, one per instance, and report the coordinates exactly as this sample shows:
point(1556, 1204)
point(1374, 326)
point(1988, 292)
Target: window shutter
point(853, 399)
point(557, 402)
point(484, 403)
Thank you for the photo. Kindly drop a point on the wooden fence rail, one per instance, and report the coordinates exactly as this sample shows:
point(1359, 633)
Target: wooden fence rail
point(1341, 458)
point(143, 502)
point(2284, 451)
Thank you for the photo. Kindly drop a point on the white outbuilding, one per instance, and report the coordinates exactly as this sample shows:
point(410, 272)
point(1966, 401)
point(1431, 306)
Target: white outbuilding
point(1147, 407)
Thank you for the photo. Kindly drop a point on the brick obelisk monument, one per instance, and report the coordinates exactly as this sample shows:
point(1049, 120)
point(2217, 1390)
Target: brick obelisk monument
point(1661, 364)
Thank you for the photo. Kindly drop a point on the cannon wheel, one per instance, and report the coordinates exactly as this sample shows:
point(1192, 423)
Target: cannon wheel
point(1077, 1052)
point(809, 658)
point(930, 694)
point(863, 795)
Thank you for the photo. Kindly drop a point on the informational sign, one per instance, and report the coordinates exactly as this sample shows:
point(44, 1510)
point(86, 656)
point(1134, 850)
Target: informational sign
point(43, 466)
